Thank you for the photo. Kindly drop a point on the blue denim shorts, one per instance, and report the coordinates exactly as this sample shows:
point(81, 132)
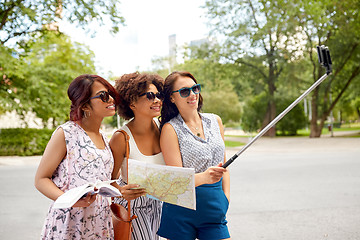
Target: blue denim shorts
point(208, 221)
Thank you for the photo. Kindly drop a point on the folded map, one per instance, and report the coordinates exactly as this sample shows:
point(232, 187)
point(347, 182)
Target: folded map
point(175, 185)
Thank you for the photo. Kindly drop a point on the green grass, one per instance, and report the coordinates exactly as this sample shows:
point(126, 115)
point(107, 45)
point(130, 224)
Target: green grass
point(304, 132)
point(239, 136)
point(346, 129)
point(233, 143)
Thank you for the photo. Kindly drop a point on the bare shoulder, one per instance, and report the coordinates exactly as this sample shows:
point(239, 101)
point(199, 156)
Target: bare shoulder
point(58, 138)
point(55, 152)
point(117, 144)
point(168, 135)
point(168, 130)
point(117, 138)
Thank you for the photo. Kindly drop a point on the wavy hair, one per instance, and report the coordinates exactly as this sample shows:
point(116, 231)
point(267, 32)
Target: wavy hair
point(169, 109)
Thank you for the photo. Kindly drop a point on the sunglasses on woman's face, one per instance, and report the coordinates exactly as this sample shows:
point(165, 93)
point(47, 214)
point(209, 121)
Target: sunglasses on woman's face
point(151, 96)
point(104, 96)
point(185, 92)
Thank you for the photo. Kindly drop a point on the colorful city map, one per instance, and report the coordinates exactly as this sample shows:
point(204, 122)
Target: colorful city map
point(175, 185)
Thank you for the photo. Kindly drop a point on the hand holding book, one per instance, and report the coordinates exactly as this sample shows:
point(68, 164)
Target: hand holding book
point(86, 194)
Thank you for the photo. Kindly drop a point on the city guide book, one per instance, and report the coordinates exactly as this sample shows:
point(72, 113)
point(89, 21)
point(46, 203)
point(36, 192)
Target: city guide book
point(70, 197)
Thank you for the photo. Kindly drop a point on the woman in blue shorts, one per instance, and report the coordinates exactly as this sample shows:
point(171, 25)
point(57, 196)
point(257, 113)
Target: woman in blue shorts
point(194, 140)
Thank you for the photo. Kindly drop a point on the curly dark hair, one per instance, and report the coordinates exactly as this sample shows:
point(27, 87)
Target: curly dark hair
point(130, 86)
point(169, 109)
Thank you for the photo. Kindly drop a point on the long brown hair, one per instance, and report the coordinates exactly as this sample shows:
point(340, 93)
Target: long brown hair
point(169, 109)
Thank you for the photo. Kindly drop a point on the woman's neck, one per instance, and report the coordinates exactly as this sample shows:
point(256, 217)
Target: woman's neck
point(141, 125)
point(90, 125)
point(192, 118)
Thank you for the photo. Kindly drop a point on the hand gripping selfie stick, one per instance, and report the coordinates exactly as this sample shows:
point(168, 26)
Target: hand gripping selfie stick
point(325, 61)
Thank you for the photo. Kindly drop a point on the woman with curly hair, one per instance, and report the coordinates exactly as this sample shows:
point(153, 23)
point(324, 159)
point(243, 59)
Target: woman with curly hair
point(140, 103)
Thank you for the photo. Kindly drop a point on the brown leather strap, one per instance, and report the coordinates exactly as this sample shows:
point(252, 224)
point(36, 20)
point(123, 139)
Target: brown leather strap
point(127, 148)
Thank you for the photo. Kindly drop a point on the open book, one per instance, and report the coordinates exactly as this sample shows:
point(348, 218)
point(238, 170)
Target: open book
point(70, 197)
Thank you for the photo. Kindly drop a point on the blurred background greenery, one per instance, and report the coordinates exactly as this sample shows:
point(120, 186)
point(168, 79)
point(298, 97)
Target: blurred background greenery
point(258, 58)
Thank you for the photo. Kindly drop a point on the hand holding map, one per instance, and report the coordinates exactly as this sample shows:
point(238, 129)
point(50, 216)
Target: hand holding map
point(175, 185)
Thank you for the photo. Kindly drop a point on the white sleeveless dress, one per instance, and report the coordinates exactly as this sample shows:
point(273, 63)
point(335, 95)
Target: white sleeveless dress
point(148, 211)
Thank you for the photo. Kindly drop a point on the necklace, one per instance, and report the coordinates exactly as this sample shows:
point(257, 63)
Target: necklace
point(196, 130)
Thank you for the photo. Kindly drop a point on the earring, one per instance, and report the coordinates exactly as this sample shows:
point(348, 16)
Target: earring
point(87, 114)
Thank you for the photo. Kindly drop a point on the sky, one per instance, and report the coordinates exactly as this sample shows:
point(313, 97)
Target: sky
point(145, 36)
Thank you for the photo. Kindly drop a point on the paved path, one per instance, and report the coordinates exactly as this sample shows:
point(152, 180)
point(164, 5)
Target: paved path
point(281, 189)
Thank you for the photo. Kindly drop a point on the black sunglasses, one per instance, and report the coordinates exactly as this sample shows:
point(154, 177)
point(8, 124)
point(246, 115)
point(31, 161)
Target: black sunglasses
point(151, 96)
point(185, 92)
point(104, 96)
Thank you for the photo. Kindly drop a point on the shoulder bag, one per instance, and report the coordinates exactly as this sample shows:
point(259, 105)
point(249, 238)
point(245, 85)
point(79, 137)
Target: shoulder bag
point(121, 217)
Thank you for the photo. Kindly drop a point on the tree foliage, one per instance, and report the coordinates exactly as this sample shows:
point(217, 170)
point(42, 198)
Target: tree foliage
point(259, 35)
point(39, 80)
point(272, 40)
point(19, 18)
point(216, 80)
point(337, 25)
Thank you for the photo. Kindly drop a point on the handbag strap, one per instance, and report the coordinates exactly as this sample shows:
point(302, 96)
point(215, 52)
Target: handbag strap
point(127, 165)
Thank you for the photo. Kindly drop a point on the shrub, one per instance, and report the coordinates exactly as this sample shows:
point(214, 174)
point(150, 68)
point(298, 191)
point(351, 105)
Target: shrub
point(23, 141)
point(255, 108)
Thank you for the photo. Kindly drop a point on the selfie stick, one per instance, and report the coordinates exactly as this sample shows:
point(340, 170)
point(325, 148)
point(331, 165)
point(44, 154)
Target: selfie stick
point(325, 61)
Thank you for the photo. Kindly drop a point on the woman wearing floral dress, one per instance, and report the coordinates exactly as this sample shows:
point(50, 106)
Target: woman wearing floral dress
point(78, 153)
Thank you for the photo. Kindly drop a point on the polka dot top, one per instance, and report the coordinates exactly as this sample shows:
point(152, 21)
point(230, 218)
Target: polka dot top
point(196, 152)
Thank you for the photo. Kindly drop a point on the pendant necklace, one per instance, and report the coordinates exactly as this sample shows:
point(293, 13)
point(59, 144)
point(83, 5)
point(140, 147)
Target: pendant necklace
point(196, 130)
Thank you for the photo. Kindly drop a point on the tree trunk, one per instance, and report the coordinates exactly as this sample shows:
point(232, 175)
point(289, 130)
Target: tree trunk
point(271, 108)
point(315, 131)
point(269, 116)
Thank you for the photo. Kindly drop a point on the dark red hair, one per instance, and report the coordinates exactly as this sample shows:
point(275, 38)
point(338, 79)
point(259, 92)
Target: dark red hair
point(79, 92)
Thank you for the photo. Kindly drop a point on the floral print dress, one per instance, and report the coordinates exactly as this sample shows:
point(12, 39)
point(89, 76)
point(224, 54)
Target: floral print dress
point(84, 163)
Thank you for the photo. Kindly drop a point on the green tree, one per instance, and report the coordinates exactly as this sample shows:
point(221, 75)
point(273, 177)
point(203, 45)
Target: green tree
point(49, 65)
point(335, 24)
point(269, 36)
point(259, 35)
point(12, 76)
point(216, 79)
point(292, 121)
point(288, 125)
point(19, 18)
point(252, 112)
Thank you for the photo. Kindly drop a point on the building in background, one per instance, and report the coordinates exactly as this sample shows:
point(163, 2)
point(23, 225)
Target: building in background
point(172, 52)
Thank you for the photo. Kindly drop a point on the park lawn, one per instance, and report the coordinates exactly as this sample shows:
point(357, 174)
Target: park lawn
point(239, 136)
point(304, 132)
point(233, 143)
